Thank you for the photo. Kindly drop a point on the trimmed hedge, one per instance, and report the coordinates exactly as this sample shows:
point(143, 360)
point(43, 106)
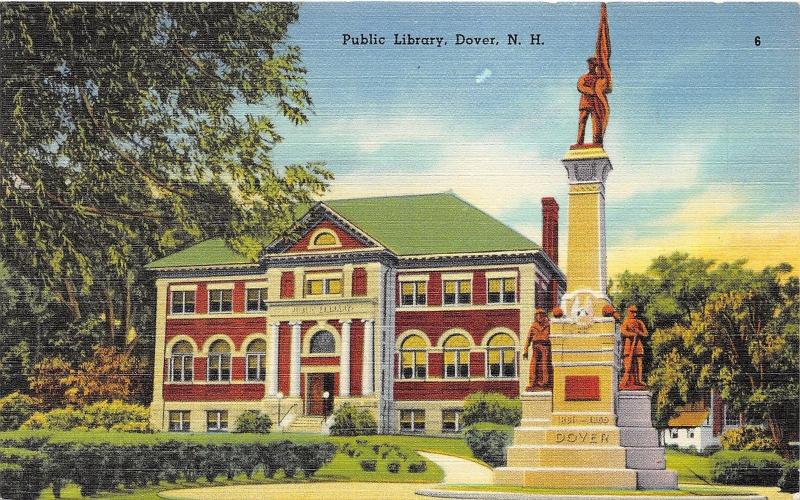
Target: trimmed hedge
point(790, 477)
point(114, 415)
point(751, 468)
point(99, 467)
point(488, 442)
point(31, 480)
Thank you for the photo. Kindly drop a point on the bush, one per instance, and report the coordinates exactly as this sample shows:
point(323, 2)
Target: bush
point(114, 415)
point(31, 467)
point(393, 467)
point(313, 456)
point(351, 421)
point(369, 465)
point(247, 457)
point(11, 477)
point(255, 422)
point(790, 477)
point(488, 442)
point(492, 407)
point(750, 437)
point(751, 468)
point(15, 409)
point(417, 467)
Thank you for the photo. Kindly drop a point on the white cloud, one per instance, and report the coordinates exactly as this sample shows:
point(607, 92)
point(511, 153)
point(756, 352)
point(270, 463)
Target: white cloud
point(370, 134)
point(486, 73)
point(662, 173)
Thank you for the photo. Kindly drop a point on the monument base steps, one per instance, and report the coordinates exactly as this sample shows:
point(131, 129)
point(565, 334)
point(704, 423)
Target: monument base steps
point(566, 477)
point(557, 456)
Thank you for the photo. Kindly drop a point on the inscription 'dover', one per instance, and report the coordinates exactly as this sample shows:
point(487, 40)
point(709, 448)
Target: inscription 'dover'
point(582, 437)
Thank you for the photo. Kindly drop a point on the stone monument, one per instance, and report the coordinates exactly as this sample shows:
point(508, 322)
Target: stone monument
point(586, 432)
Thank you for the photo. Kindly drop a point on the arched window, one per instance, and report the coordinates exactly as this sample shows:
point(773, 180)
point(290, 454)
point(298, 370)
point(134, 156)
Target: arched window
point(219, 362)
point(412, 357)
point(256, 355)
point(323, 343)
point(500, 356)
point(456, 357)
point(181, 362)
point(324, 239)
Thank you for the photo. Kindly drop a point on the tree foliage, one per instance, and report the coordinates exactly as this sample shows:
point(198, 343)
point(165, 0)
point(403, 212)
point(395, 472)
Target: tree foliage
point(129, 131)
point(720, 327)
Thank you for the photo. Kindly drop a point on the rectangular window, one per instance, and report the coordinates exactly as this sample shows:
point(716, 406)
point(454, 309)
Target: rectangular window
point(182, 302)
point(457, 291)
point(255, 367)
point(412, 364)
point(219, 367)
point(220, 301)
point(451, 420)
point(179, 421)
point(673, 433)
point(690, 433)
point(323, 286)
point(181, 367)
point(412, 420)
point(256, 299)
point(501, 290)
point(217, 421)
point(456, 364)
point(413, 293)
point(501, 362)
point(731, 418)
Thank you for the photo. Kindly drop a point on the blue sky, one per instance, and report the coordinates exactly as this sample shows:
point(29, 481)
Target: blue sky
point(703, 133)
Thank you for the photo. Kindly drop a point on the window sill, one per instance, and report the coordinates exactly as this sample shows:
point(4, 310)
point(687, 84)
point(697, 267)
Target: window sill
point(255, 381)
point(218, 382)
point(176, 382)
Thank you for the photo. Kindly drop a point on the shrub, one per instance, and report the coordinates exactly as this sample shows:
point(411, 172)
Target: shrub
point(749, 437)
point(752, 468)
point(11, 477)
point(351, 421)
point(267, 456)
point(417, 467)
point(247, 457)
point(790, 477)
point(15, 409)
point(488, 442)
point(57, 466)
point(255, 422)
point(393, 467)
point(31, 464)
point(492, 407)
point(114, 415)
point(313, 456)
point(369, 465)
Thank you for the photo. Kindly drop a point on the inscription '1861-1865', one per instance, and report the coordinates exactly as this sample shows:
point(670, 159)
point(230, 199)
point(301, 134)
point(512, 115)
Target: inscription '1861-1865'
point(584, 420)
point(582, 437)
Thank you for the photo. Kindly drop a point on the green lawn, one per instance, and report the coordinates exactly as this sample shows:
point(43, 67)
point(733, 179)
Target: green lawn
point(691, 469)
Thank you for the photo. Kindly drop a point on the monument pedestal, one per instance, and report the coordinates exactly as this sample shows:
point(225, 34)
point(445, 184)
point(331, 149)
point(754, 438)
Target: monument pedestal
point(640, 439)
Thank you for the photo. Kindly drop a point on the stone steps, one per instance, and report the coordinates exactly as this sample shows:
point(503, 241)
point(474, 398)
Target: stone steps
point(306, 424)
point(567, 477)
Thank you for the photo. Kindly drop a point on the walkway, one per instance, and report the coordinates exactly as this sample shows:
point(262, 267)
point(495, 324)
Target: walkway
point(456, 471)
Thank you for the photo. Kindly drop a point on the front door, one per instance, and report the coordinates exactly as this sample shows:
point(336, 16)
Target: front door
point(316, 402)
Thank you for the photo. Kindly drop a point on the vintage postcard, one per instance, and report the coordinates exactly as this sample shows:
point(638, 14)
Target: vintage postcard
point(399, 250)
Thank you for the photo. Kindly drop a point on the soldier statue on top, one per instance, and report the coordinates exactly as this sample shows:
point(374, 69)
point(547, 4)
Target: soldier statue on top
point(594, 86)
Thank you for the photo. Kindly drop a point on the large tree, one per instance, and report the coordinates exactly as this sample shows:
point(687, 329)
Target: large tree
point(720, 327)
point(130, 130)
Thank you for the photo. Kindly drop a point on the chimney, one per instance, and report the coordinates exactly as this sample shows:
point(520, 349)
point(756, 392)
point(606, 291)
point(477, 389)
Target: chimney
point(550, 228)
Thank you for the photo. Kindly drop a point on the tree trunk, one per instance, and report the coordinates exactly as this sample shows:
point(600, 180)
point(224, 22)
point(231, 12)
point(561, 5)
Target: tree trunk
point(776, 431)
point(127, 319)
point(111, 330)
point(71, 300)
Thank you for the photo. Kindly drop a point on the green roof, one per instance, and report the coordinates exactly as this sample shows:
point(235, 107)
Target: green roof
point(427, 224)
point(440, 223)
point(213, 252)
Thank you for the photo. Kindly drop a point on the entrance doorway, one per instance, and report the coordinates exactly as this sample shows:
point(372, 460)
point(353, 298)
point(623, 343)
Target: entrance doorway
point(316, 402)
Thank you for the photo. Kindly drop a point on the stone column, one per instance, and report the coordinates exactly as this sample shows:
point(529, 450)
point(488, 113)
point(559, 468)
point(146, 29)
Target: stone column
point(344, 360)
point(272, 376)
point(368, 363)
point(294, 367)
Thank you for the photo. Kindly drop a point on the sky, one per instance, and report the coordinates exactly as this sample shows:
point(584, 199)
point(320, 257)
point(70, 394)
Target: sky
point(703, 131)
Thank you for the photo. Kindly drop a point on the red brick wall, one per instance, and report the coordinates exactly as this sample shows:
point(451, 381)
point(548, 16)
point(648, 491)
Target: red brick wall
point(238, 297)
point(435, 289)
point(451, 389)
point(287, 285)
point(479, 287)
point(476, 364)
point(201, 329)
point(345, 239)
point(213, 392)
point(359, 282)
point(284, 357)
point(356, 355)
point(201, 299)
point(476, 322)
